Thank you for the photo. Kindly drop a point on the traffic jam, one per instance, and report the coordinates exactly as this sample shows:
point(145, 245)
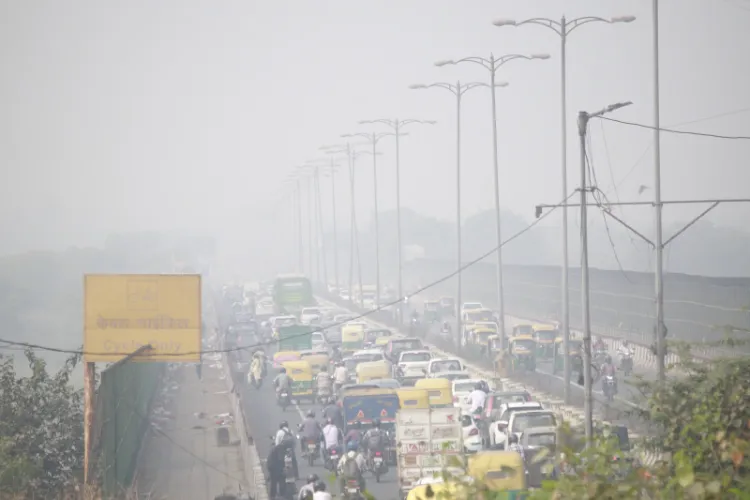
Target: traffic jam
point(374, 399)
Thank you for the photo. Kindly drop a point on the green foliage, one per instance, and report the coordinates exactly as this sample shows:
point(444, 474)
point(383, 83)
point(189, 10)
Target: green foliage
point(41, 428)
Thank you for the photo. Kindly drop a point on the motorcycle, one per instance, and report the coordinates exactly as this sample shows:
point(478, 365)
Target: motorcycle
point(312, 450)
point(626, 364)
point(332, 461)
point(351, 490)
point(378, 466)
point(610, 387)
point(324, 394)
point(283, 399)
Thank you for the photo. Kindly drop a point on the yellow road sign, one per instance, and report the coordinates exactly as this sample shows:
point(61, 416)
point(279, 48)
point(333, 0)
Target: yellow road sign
point(123, 312)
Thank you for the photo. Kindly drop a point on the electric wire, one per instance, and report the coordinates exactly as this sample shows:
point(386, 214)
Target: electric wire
point(320, 329)
point(674, 131)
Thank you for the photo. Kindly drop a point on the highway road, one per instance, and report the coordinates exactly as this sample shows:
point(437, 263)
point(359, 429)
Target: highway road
point(264, 416)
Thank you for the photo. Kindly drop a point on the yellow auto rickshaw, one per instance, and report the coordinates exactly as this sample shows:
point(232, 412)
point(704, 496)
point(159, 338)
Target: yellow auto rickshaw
point(282, 357)
point(372, 370)
point(412, 398)
point(381, 342)
point(545, 336)
point(440, 391)
point(501, 471)
point(317, 359)
point(576, 355)
point(522, 329)
point(352, 338)
point(481, 335)
point(522, 350)
point(300, 373)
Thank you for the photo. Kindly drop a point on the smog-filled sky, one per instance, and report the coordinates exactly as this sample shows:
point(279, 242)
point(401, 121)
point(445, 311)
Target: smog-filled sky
point(189, 115)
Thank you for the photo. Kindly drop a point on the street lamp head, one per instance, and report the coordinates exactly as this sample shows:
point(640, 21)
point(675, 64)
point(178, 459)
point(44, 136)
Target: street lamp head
point(501, 84)
point(444, 63)
point(417, 86)
point(540, 56)
point(623, 19)
point(430, 122)
point(346, 135)
point(505, 22)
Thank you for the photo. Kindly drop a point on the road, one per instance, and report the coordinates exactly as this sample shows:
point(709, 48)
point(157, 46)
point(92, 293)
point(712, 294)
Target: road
point(264, 415)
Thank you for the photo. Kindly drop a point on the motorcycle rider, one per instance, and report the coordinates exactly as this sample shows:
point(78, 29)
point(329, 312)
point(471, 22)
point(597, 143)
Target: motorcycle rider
point(284, 437)
point(354, 435)
point(275, 466)
point(351, 468)
point(307, 490)
point(340, 376)
point(599, 345)
point(446, 327)
point(374, 440)
point(282, 382)
point(320, 492)
point(608, 370)
point(336, 354)
point(477, 398)
point(331, 437)
point(256, 371)
point(334, 412)
point(323, 382)
point(310, 430)
point(514, 446)
point(624, 350)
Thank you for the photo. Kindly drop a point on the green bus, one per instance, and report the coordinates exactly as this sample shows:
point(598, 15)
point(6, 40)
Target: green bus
point(291, 293)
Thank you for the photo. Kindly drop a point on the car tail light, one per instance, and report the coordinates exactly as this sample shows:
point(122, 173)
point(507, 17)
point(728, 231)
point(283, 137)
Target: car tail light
point(474, 432)
point(377, 453)
point(333, 452)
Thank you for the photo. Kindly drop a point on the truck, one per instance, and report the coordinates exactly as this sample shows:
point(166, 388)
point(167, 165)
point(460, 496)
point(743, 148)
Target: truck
point(291, 293)
point(295, 338)
point(430, 441)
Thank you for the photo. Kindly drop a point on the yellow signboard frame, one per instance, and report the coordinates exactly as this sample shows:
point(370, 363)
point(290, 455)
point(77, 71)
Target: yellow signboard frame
point(123, 312)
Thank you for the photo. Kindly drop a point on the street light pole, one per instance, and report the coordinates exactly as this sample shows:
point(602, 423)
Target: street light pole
point(374, 138)
point(492, 65)
point(588, 402)
point(457, 90)
point(299, 227)
point(396, 125)
point(562, 28)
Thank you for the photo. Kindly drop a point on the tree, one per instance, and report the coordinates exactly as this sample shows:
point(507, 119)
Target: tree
point(41, 429)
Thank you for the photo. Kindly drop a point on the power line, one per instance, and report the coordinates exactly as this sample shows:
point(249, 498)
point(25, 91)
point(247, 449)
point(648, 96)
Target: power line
point(321, 329)
point(673, 131)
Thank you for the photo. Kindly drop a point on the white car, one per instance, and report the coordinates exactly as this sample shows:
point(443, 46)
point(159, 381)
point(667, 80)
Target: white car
point(499, 428)
point(318, 340)
point(310, 315)
point(439, 365)
point(470, 306)
point(472, 436)
point(412, 365)
point(279, 321)
point(461, 390)
point(522, 420)
point(452, 375)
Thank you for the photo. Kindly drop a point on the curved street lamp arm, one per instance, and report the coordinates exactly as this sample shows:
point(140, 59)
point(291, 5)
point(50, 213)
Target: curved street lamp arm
point(485, 63)
point(573, 24)
point(443, 85)
point(547, 23)
point(384, 121)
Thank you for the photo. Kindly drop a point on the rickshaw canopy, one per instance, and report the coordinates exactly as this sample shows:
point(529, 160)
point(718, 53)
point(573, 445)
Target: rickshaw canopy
point(282, 357)
point(372, 370)
point(439, 391)
point(498, 470)
point(413, 398)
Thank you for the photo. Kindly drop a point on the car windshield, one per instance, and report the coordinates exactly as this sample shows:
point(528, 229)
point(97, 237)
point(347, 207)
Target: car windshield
point(448, 365)
point(472, 305)
point(310, 310)
point(456, 376)
point(480, 316)
point(523, 422)
point(508, 398)
point(409, 357)
point(546, 439)
point(284, 321)
point(407, 345)
point(464, 387)
point(547, 334)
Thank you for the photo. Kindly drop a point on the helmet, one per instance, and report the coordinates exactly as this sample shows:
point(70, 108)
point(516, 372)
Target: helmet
point(311, 414)
point(512, 439)
point(351, 446)
point(284, 424)
point(329, 421)
point(478, 386)
point(323, 368)
point(312, 478)
point(283, 370)
point(376, 423)
point(319, 486)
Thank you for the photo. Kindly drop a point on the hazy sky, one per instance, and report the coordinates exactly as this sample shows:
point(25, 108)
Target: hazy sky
point(189, 114)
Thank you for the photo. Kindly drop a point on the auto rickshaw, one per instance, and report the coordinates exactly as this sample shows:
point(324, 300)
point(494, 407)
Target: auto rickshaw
point(447, 306)
point(576, 355)
point(372, 370)
point(381, 342)
point(522, 329)
point(317, 359)
point(439, 390)
point(431, 311)
point(522, 350)
point(545, 336)
point(413, 398)
point(300, 372)
point(372, 335)
point(501, 471)
point(480, 336)
point(352, 338)
point(282, 357)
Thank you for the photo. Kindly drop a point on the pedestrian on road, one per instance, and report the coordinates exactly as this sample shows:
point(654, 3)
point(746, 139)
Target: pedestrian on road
point(275, 466)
